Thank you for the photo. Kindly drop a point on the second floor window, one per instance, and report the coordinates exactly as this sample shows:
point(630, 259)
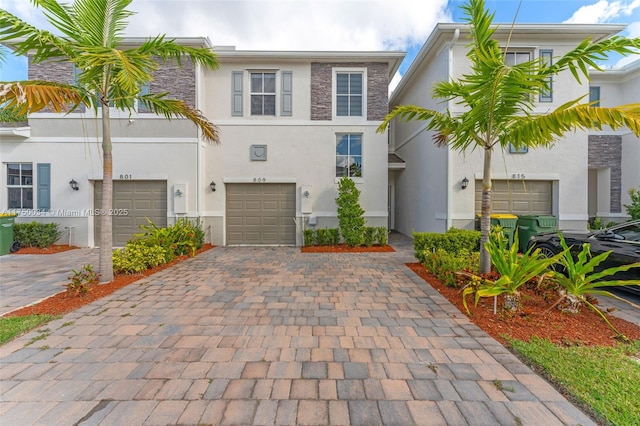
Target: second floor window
point(263, 93)
point(594, 95)
point(349, 93)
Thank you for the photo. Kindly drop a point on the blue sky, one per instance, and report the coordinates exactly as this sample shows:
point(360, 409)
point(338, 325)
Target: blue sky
point(332, 24)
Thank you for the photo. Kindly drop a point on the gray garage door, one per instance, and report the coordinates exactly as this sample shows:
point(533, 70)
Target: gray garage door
point(517, 197)
point(141, 199)
point(261, 213)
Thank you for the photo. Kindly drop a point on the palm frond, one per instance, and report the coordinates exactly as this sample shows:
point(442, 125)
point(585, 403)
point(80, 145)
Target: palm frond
point(544, 130)
point(587, 54)
point(103, 21)
point(33, 95)
point(170, 50)
point(61, 17)
point(25, 38)
point(172, 108)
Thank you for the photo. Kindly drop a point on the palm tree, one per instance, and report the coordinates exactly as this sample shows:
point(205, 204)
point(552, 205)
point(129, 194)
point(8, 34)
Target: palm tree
point(91, 36)
point(500, 99)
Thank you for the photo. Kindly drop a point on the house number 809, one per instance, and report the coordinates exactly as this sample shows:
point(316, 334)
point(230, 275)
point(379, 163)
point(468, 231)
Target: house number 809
point(259, 180)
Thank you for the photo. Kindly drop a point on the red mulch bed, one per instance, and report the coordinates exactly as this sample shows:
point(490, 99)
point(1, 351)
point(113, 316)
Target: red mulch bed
point(57, 248)
point(65, 301)
point(532, 319)
point(343, 248)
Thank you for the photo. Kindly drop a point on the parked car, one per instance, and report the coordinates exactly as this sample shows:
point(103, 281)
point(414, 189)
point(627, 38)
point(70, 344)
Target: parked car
point(622, 240)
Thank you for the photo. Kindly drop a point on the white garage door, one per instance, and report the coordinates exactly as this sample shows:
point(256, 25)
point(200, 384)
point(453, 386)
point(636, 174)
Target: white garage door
point(141, 199)
point(517, 197)
point(261, 213)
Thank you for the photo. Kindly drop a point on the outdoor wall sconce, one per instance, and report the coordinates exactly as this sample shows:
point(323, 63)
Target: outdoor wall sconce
point(178, 193)
point(73, 184)
point(212, 185)
point(465, 183)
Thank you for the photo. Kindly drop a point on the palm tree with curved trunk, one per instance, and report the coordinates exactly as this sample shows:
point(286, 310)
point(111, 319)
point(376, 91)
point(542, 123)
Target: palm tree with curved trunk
point(91, 36)
point(499, 101)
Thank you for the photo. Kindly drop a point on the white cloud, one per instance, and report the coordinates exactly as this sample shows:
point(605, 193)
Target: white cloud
point(293, 25)
point(603, 11)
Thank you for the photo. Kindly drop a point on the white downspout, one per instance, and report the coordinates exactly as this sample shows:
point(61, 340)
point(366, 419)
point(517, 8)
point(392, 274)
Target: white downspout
point(450, 178)
point(198, 70)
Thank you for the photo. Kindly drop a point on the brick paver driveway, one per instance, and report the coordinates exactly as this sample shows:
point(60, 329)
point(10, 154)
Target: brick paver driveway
point(243, 335)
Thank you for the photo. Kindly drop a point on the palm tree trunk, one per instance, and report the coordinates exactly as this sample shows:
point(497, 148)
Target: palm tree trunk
point(485, 221)
point(105, 268)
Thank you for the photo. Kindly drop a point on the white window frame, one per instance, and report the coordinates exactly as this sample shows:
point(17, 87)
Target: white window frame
point(21, 186)
point(334, 93)
point(338, 136)
point(276, 90)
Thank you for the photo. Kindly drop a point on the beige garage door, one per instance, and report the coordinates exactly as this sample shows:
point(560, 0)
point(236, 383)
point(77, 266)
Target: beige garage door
point(141, 199)
point(261, 213)
point(517, 197)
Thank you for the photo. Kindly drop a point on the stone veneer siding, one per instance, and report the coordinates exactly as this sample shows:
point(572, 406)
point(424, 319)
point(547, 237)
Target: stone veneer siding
point(606, 152)
point(377, 89)
point(179, 82)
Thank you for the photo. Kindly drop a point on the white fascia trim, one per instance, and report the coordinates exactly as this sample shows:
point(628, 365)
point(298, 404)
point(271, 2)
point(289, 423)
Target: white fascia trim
point(260, 179)
point(286, 122)
point(517, 176)
point(397, 166)
point(134, 176)
point(22, 132)
point(81, 139)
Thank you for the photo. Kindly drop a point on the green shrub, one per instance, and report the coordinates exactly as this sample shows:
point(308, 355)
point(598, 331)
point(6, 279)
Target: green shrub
point(370, 235)
point(444, 265)
point(452, 241)
point(322, 237)
point(350, 214)
point(183, 237)
point(333, 236)
point(82, 279)
point(138, 256)
point(309, 237)
point(382, 235)
point(633, 209)
point(36, 234)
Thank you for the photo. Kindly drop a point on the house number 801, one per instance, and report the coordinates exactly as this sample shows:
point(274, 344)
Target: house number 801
point(125, 176)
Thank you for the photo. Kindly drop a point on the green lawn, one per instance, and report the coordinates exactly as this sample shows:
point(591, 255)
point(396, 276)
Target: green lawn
point(16, 326)
point(607, 379)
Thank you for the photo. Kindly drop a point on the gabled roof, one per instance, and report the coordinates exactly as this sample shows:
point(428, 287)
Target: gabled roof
point(445, 34)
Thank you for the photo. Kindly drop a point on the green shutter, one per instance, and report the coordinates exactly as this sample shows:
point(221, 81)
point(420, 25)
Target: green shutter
point(287, 93)
point(44, 186)
point(236, 95)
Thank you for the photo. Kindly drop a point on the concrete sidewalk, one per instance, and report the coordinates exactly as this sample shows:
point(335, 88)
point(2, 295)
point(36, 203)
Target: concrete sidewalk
point(248, 335)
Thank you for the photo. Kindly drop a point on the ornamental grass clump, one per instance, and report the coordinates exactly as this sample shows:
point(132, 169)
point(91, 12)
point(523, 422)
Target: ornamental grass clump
point(514, 269)
point(578, 279)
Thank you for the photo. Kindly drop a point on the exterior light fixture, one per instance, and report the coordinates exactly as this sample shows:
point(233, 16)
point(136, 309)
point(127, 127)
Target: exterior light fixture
point(212, 185)
point(73, 184)
point(465, 183)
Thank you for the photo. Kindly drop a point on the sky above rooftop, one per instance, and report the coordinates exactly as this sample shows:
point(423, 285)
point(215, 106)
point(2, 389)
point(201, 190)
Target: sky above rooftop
point(333, 24)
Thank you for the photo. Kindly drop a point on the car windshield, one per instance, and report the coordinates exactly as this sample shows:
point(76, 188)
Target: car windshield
point(630, 232)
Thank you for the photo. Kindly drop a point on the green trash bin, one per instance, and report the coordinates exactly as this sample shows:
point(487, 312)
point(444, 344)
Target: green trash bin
point(506, 221)
point(530, 225)
point(508, 224)
point(6, 233)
